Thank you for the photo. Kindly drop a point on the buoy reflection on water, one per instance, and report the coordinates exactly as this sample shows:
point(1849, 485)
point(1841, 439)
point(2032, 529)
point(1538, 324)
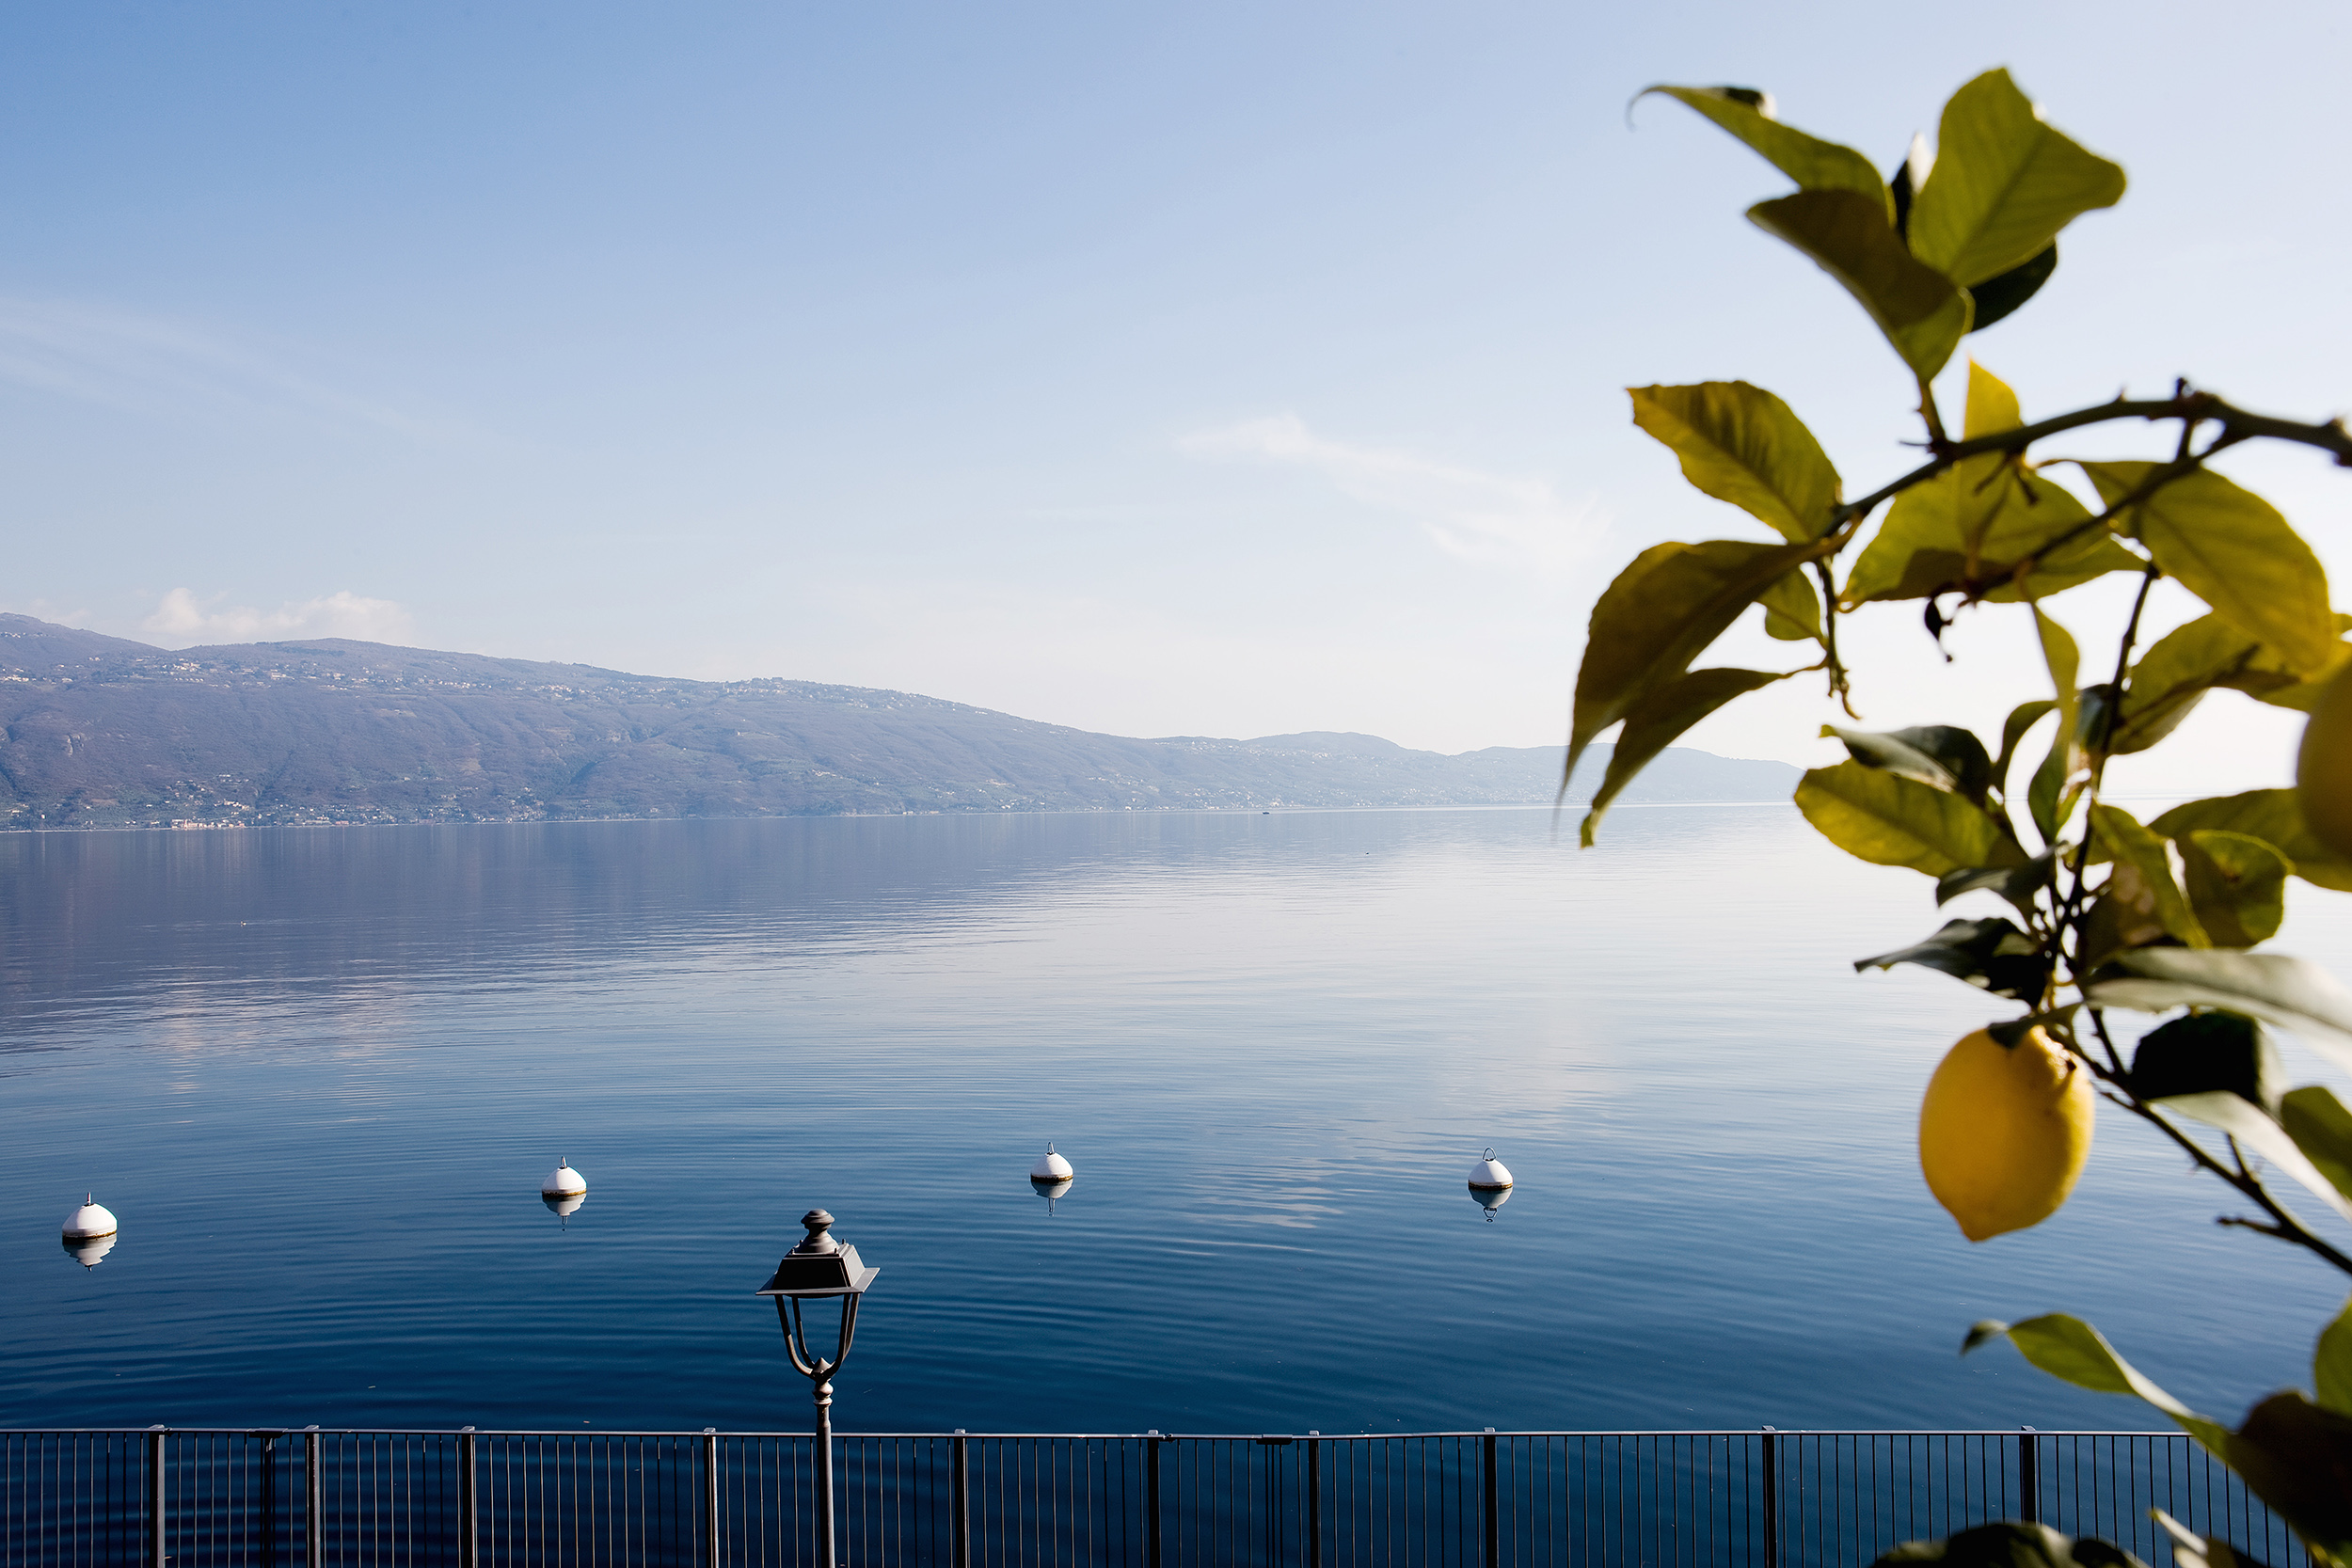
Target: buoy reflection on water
point(88, 1250)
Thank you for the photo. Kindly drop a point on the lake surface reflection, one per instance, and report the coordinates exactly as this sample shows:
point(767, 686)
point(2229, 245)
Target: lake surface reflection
point(319, 1074)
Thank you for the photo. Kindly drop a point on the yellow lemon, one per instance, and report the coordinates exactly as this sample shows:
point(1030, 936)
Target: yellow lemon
point(2323, 769)
point(2004, 1132)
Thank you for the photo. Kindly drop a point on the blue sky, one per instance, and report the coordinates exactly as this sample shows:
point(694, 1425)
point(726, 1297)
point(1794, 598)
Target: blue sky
point(1217, 369)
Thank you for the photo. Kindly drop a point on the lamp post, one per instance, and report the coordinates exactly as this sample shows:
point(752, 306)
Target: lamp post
point(820, 1266)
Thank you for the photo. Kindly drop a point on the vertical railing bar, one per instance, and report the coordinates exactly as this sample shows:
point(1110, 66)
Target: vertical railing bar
point(1486, 1496)
point(1314, 1500)
point(468, 1536)
point(711, 1555)
point(156, 1546)
point(1151, 1538)
point(267, 1503)
point(313, 1539)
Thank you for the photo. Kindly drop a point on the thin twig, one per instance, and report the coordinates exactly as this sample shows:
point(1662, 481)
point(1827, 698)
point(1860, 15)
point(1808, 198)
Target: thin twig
point(1927, 412)
point(2255, 1225)
point(2099, 762)
point(1838, 687)
point(2284, 1226)
point(2239, 1155)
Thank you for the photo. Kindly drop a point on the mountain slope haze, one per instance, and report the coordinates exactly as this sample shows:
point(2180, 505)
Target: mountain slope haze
point(101, 732)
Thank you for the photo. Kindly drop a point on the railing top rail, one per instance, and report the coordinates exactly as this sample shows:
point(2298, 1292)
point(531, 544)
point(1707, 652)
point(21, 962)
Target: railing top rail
point(1075, 1436)
point(1622, 1431)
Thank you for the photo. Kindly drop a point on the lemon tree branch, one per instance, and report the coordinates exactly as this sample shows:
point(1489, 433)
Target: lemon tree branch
point(2237, 424)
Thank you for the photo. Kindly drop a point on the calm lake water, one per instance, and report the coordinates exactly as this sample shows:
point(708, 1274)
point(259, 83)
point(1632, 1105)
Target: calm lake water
point(319, 1073)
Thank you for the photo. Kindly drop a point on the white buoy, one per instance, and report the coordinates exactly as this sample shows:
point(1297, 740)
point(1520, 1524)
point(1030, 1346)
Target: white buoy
point(89, 1222)
point(563, 1181)
point(1489, 1175)
point(1053, 1167)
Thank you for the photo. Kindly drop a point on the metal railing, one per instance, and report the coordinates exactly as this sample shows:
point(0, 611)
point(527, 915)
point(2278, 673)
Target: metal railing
point(184, 1498)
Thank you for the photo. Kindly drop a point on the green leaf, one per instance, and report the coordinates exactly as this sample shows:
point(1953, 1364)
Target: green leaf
point(1917, 551)
point(2260, 682)
point(2331, 1364)
point(2321, 1129)
point(2012, 1543)
point(2232, 549)
point(1740, 444)
point(2209, 1053)
point(1661, 613)
point(2021, 541)
point(2192, 1550)
point(1923, 313)
point(1993, 955)
point(2236, 885)
point(1917, 554)
point(1908, 177)
point(2016, 883)
point(2047, 797)
point(2272, 816)
point(2177, 670)
point(2123, 917)
point(1890, 820)
point(1815, 165)
point(2000, 296)
point(2261, 1136)
point(1792, 611)
point(2022, 717)
point(2051, 797)
point(2065, 665)
point(2094, 707)
point(2220, 1068)
point(1659, 720)
point(1991, 405)
point(2003, 185)
point(2297, 1456)
point(1943, 755)
point(2293, 993)
point(1973, 527)
point(2141, 904)
point(1912, 556)
point(2124, 840)
point(2072, 1350)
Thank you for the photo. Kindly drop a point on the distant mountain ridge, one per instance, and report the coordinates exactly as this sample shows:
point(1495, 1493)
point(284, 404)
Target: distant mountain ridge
point(101, 732)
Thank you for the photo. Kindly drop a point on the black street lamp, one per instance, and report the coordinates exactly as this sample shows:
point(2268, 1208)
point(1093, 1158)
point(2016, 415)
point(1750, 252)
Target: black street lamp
point(820, 1266)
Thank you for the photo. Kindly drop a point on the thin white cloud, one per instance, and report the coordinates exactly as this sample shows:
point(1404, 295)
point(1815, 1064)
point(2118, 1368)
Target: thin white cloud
point(101, 354)
point(181, 620)
point(1480, 516)
point(42, 609)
